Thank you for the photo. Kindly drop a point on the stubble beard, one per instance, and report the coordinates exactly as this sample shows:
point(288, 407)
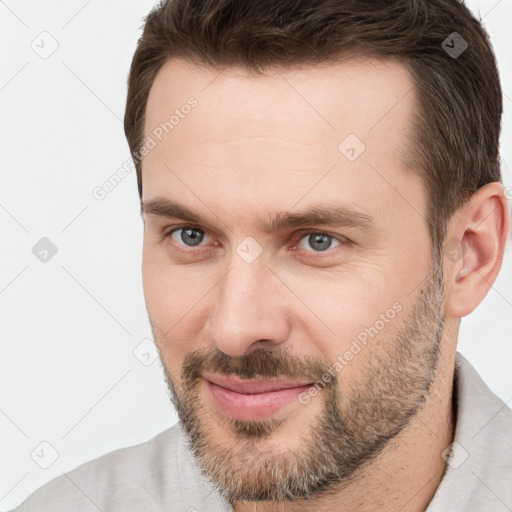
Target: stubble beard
point(357, 421)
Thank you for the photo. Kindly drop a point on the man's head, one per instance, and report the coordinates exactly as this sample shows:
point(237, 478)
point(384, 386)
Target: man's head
point(295, 211)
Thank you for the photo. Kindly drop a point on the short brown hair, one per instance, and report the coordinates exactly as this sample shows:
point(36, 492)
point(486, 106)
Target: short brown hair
point(457, 127)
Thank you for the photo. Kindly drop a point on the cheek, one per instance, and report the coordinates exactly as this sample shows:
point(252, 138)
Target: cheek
point(165, 290)
point(175, 298)
point(157, 289)
point(354, 312)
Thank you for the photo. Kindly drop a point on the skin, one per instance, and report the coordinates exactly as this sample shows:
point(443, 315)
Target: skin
point(256, 145)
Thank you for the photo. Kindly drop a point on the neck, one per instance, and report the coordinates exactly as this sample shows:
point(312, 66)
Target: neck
point(406, 474)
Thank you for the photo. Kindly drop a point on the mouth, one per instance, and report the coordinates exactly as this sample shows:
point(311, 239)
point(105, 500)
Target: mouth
point(252, 400)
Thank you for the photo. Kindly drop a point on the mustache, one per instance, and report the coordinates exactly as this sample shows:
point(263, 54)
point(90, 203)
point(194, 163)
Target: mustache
point(261, 363)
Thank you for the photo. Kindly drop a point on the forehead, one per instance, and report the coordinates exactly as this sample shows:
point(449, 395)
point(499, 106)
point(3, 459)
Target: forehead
point(278, 134)
point(351, 83)
point(353, 95)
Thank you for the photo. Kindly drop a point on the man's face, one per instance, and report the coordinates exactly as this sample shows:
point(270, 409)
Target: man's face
point(247, 293)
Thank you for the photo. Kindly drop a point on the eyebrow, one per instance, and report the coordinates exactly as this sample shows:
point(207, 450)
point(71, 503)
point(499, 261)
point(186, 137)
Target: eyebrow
point(324, 214)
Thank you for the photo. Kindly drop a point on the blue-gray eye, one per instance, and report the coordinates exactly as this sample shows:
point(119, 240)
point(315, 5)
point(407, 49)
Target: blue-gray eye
point(191, 237)
point(318, 241)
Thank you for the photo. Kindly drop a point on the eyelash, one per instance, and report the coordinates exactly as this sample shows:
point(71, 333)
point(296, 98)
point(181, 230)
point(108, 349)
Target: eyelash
point(297, 236)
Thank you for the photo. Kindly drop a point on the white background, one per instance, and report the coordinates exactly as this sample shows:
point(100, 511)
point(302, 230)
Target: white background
point(68, 374)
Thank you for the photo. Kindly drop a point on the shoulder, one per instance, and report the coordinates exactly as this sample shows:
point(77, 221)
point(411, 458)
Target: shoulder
point(124, 479)
point(479, 470)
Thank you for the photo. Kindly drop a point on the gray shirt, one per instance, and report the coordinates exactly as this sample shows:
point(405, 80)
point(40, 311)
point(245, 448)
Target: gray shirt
point(160, 475)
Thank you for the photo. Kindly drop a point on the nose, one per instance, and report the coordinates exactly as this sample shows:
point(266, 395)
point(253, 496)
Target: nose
point(250, 310)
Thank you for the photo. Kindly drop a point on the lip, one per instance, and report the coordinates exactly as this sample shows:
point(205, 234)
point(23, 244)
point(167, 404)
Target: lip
point(252, 387)
point(252, 399)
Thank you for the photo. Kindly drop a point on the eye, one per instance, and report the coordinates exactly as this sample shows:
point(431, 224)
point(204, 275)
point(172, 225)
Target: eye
point(187, 235)
point(320, 242)
point(191, 237)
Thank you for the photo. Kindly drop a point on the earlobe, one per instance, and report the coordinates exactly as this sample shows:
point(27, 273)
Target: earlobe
point(481, 234)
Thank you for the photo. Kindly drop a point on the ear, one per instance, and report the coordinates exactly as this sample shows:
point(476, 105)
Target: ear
point(473, 253)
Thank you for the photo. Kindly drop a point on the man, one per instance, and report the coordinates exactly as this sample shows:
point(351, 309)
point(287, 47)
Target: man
point(322, 201)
